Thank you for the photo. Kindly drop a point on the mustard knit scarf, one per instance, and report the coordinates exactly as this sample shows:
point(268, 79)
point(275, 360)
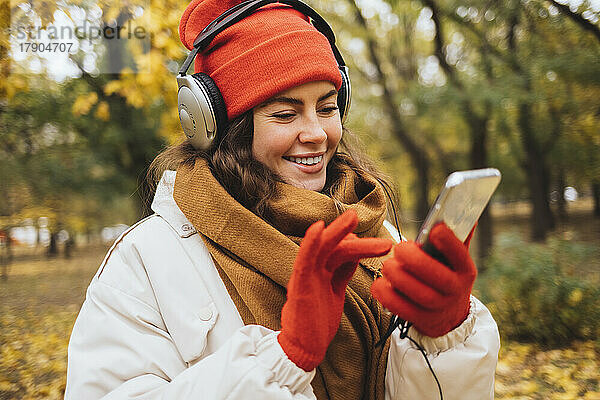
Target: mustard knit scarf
point(255, 261)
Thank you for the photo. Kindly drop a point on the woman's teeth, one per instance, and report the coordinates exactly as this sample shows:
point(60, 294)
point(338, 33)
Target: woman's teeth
point(305, 160)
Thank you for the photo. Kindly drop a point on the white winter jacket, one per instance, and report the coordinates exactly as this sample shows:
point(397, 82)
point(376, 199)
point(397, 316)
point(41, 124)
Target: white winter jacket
point(158, 323)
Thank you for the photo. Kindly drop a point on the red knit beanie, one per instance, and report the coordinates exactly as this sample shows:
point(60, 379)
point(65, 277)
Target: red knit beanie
point(272, 50)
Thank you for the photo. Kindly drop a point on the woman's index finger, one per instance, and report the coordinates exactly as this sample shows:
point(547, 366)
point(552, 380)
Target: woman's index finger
point(338, 230)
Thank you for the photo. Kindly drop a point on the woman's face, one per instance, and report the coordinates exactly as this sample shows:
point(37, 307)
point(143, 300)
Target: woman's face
point(297, 132)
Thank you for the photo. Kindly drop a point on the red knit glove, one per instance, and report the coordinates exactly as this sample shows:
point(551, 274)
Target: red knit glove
point(420, 289)
point(324, 265)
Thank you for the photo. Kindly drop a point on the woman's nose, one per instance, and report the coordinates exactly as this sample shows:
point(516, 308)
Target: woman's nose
point(312, 131)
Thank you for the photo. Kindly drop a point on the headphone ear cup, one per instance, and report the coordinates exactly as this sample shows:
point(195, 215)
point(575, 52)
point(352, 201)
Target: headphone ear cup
point(344, 94)
point(216, 101)
point(201, 109)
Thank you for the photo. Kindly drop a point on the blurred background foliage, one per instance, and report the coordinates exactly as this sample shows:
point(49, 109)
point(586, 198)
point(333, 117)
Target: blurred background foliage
point(438, 86)
point(543, 293)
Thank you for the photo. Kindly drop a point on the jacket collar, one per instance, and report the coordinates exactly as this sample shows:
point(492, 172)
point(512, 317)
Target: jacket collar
point(165, 206)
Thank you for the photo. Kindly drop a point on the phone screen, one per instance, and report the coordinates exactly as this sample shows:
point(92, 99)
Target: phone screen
point(461, 201)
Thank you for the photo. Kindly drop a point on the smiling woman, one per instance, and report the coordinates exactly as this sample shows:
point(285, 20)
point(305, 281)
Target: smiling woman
point(254, 277)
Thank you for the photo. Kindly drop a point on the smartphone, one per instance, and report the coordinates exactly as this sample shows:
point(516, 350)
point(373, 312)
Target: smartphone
point(460, 203)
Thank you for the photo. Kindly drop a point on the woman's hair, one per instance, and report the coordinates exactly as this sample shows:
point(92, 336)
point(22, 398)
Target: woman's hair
point(252, 183)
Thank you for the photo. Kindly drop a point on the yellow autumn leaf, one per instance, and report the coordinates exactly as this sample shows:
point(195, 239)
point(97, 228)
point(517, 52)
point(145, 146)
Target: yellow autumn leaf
point(171, 127)
point(160, 40)
point(112, 12)
point(527, 373)
point(564, 396)
point(504, 367)
point(112, 87)
point(575, 296)
point(529, 387)
point(144, 79)
point(136, 99)
point(103, 111)
point(14, 84)
point(501, 388)
point(84, 103)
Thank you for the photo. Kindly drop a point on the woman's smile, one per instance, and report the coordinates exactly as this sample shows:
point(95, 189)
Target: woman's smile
point(309, 164)
point(297, 132)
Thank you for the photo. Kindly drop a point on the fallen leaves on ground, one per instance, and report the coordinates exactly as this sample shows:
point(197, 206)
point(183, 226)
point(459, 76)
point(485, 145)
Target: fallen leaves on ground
point(33, 353)
point(526, 371)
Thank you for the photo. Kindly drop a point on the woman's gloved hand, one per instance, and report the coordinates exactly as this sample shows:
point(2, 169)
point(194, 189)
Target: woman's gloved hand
point(418, 288)
point(326, 261)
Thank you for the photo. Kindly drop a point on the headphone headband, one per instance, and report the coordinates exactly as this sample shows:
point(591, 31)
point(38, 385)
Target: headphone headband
point(248, 7)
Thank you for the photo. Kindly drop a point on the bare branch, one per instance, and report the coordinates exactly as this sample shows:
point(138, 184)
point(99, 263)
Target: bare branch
point(417, 153)
point(440, 53)
point(90, 80)
point(506, 58)
point(392, 109)
point(577, 18)
point(477, 123)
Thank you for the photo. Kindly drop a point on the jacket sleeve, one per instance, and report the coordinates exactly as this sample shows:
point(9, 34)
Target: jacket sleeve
point(120, 348)
point(464, 361)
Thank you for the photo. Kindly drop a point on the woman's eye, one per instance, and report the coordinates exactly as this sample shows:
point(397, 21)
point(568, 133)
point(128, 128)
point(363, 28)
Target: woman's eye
point(283, 115)
point(328, 110)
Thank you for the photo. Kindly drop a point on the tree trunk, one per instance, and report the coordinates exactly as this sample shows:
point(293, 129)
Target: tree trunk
point(53, 246)
point(560, 199)
point(69, 245)
point(7, 257)
point(542, 219)
point(422, 167)
point(596, 195)
point(479, 159)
